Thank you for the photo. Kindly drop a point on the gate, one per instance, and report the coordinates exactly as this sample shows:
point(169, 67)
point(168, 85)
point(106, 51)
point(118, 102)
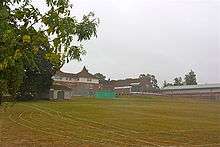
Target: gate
point(60, 95)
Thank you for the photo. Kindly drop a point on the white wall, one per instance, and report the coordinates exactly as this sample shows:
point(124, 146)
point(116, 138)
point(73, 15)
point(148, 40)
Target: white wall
point(55, 94)
point(66, 79)
point(83, 80)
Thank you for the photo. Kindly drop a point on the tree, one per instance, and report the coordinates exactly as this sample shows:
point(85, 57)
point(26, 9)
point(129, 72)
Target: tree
point(152, 79)
point(178, 81)
point(190, 78)
point(3, 89)
point(25, 31)
point(101, 78)
point(143, 76)
point(165, 84)
point(154, 82)
point(37, 82)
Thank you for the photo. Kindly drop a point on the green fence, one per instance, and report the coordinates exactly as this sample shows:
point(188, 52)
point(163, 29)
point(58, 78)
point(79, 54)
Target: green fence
point(104, 94)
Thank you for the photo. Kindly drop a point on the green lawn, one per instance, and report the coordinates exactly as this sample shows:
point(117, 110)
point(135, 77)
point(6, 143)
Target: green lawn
point(119, 122)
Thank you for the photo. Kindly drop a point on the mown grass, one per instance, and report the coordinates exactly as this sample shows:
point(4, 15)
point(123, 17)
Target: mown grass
point(118, 122)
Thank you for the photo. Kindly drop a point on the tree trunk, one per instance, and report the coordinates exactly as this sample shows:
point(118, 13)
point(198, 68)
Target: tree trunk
point(0, 99)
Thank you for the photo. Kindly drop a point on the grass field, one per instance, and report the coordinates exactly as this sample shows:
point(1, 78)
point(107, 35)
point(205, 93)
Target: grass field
point(119, 122)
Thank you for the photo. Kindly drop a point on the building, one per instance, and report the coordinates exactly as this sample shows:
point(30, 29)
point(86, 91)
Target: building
point(68, 85)
point(201, 90)
point(127, 86)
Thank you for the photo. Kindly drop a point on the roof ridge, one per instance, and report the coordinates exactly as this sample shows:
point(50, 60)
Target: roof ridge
point(83, 73)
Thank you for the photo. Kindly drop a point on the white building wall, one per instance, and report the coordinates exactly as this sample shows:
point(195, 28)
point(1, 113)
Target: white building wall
point(88, 80)
point(96, 81)
point(55, 94)
point(216, 90)
point(83, 80)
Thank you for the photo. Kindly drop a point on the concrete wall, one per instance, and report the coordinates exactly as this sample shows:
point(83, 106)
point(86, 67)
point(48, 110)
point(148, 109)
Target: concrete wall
point(195, 93)
point(191, 91)
point(123, 91)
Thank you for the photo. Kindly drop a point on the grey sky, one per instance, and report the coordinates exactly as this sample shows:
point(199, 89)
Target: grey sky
point(162, 37)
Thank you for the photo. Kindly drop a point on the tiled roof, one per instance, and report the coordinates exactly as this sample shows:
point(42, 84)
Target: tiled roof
point(64, 74)
point(66, 84)
point(57, 86)
point(84, 74)
point(199, 86)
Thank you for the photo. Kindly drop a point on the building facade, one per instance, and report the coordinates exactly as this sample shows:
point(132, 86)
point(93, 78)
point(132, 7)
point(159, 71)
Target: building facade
point(127, 86)
point(201, 90)
point(79, 84)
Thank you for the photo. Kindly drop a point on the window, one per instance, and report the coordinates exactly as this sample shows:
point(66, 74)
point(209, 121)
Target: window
point(67, 78)
point(89, 80)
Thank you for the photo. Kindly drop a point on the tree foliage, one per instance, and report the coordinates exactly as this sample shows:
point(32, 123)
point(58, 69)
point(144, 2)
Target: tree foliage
point(37, 82)
point(152, 79)
point(25, 32)
point(165, 84)
point(101, 77)
point(190, 78)
point(178, 81)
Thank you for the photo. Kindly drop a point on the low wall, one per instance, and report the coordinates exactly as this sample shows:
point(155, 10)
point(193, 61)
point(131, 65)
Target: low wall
point(209, 95)
point(140, 94)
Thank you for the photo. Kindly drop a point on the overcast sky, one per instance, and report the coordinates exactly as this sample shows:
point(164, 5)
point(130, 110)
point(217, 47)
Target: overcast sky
point(166, 38)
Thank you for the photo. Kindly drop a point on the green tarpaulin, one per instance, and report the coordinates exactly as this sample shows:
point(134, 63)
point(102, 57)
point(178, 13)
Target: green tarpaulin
point(105, 94)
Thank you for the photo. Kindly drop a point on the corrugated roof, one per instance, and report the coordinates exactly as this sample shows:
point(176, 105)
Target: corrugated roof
point(128, 82)
point(199, 86)
point(135, 84)
point(123, 87)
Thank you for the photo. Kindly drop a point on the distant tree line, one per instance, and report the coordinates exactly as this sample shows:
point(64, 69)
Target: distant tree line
point(189, 79)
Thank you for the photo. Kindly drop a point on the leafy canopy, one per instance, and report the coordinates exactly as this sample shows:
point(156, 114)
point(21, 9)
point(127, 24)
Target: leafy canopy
point(152, 79)
point(178, 81)
point(190, 78)
point(101, 77)
point(165, 84)
point(25, 31)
